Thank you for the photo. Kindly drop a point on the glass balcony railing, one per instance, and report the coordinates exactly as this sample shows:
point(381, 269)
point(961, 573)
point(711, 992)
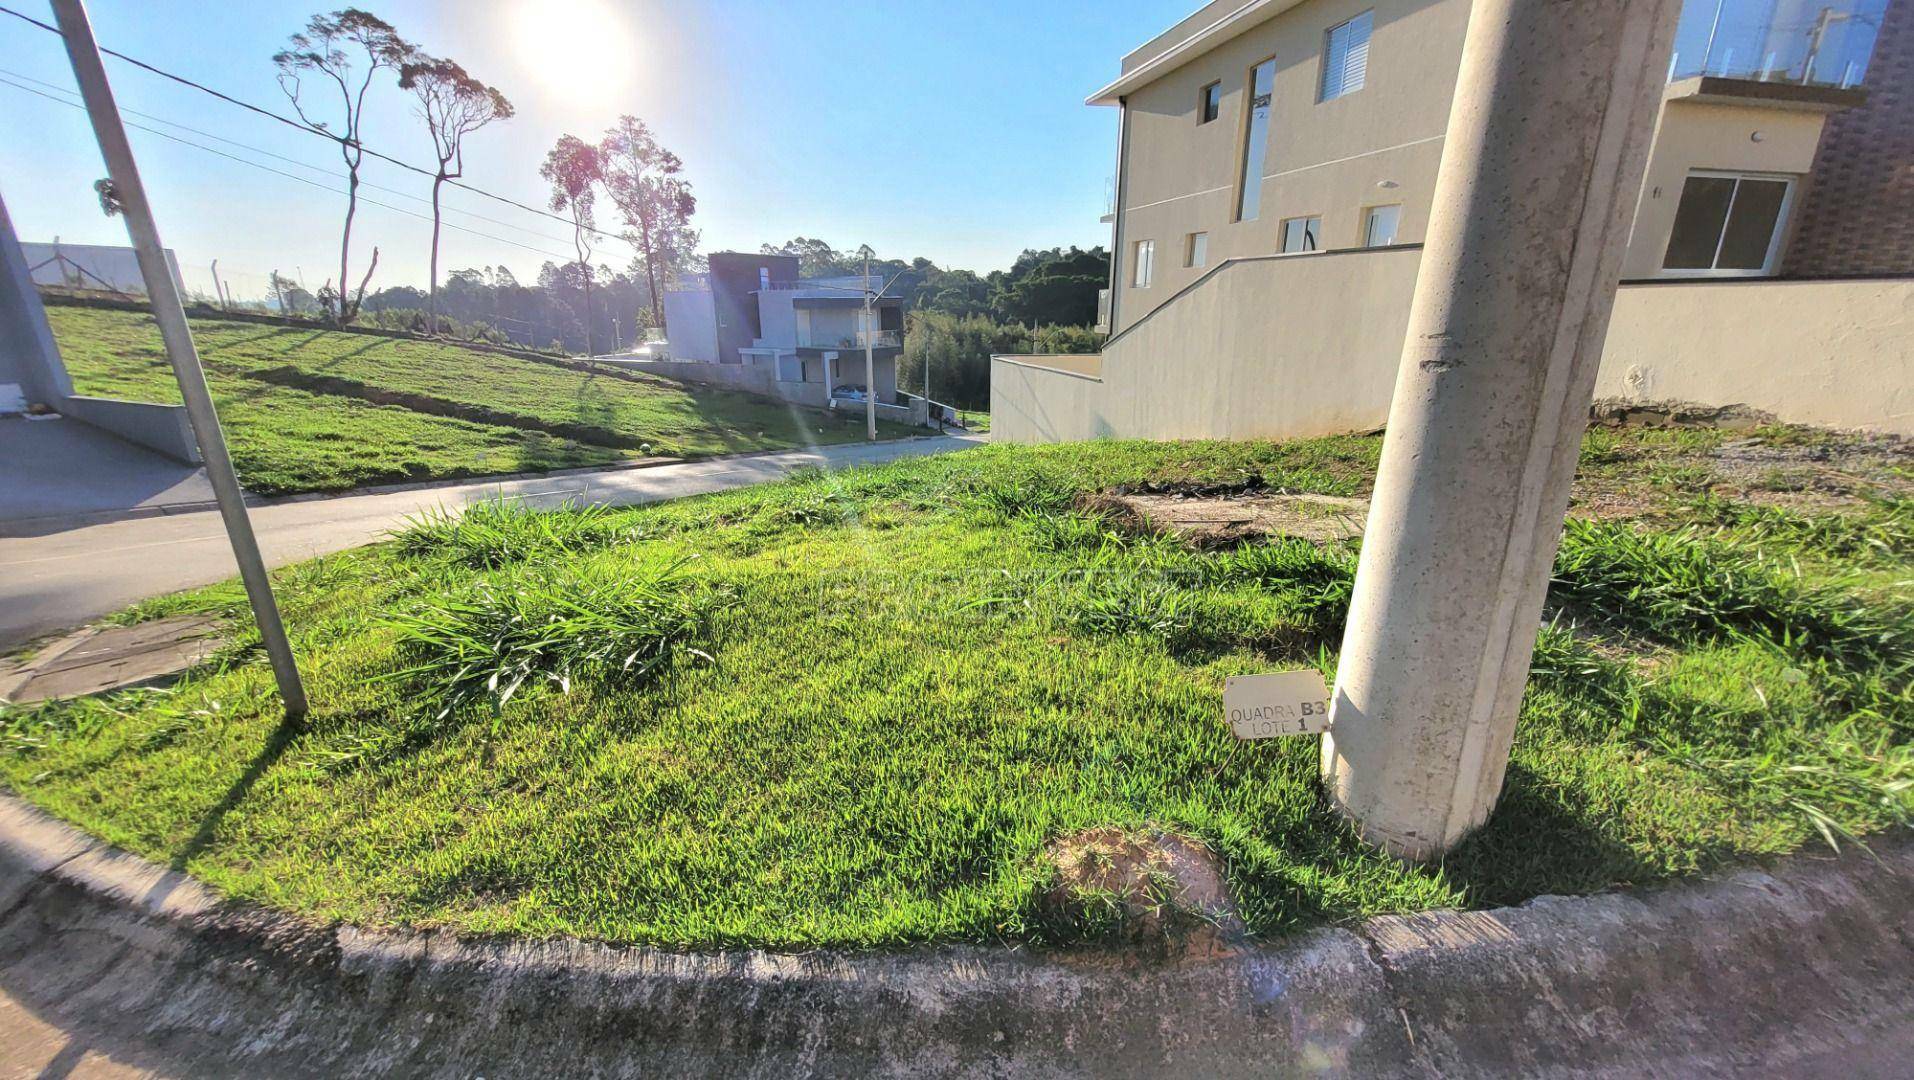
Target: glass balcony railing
point(849, 339)
point(1805, 42)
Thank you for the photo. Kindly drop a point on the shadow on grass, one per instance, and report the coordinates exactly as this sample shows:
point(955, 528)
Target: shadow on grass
point(1539, 843)
point(269, 754)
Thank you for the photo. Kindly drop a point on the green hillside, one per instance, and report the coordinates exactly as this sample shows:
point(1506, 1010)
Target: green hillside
point(307, 409)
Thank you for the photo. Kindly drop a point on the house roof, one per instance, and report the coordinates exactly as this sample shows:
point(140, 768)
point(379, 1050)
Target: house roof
point(1208, 27)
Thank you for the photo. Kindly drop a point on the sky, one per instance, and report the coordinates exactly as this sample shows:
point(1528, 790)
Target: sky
point(950, 130)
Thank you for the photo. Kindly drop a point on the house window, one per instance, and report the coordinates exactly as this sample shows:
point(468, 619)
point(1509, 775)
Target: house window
point(764, 278)
point(1210, 103)
point(1302, 234)
point(1262, 90)
point(1143, 264)
point(1728, 224)
point(1379, 225)
point(1346, 56)
point(1196, 250)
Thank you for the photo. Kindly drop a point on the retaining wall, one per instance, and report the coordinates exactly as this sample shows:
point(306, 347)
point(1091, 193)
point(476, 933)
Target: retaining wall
point(1298, 346)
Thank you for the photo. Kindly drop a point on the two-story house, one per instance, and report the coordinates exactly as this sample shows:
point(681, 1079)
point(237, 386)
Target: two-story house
point(1276, 164)
point(802, 339)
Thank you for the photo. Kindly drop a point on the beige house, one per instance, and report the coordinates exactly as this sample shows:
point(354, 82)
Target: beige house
point(1276, 163)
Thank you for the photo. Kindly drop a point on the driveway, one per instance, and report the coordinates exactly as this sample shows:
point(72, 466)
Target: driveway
point(67, 578)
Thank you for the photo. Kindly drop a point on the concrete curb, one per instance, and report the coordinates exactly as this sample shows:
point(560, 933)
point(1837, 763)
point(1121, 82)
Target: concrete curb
point(1761, 971)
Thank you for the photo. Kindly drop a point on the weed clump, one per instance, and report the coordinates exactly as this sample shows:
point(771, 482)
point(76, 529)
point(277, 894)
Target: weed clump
point(610, 621)
point(1886, 530)
point(996, 500)
point(497, 533)
point(1679, 587)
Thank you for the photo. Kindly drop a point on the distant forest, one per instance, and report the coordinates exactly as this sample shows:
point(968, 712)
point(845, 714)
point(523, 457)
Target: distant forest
point(1054, 287)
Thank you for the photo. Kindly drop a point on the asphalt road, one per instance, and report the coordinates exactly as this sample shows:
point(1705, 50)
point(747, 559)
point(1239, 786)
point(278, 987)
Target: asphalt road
point(66, 578)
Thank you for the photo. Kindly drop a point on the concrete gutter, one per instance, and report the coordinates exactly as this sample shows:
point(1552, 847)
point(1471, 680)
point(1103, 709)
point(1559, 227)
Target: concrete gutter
point(1807, 968)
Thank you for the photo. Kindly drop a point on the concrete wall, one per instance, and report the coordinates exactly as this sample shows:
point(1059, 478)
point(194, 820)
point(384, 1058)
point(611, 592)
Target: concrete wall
point(29, 358)
point(163, 428)
point(1291, 347)
point(734, 284)
point(777, 319)
point(1252, 351)
point(1831, 353)
point(93, 266)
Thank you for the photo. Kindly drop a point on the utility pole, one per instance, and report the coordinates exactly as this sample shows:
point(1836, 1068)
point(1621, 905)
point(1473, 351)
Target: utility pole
point(129, 197)
point(870, 352)
point(1548, 139)
point(1817, 38)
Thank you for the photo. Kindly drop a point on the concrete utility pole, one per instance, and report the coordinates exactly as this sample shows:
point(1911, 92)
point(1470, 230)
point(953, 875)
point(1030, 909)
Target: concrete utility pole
point(130, 196)
point(1548, 138)
point(870, 351)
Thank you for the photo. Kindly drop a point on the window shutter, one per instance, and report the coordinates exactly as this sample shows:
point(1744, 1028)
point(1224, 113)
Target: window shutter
point(1356, 66)
point(1334, 59)
point(1346, 58)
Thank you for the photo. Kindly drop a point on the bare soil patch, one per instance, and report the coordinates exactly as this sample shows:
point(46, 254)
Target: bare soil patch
point(1161, 884)
point(1207, 521)
point(1799, 469)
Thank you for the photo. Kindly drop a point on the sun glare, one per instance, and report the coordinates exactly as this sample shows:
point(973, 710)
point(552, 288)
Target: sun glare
point(580, 51)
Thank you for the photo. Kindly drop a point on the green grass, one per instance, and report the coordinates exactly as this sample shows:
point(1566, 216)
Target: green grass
point(870, 699)
point(317, 410)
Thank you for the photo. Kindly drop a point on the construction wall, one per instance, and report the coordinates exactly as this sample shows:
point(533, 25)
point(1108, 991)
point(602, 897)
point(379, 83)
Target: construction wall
point(1291, 347)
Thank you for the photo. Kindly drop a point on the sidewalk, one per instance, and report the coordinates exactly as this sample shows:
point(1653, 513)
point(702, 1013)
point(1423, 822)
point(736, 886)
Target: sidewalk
point(65, 578)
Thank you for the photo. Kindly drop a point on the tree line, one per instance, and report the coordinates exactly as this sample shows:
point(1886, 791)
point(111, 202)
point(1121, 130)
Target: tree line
point(1045, 301)
point(330, 68)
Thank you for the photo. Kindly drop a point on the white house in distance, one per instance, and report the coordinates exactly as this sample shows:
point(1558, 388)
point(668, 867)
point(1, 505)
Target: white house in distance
point(752, 323)
point(1277, 162)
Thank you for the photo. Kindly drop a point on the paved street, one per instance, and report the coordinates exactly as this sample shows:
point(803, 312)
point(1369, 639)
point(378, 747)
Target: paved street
point(67, 578)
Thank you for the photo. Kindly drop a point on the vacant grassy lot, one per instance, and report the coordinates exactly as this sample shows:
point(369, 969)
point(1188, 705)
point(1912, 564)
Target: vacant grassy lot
point(318, 410)
point(855, 708)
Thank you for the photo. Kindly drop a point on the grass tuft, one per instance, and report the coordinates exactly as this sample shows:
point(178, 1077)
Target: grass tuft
point(1679, 587)
point(622, 624)
point(498, 532)
point(1885, 530)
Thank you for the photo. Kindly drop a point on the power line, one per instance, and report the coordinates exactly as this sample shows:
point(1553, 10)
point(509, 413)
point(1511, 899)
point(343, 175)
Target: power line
point(301, 179)
point(5, 75)
point(327, 135)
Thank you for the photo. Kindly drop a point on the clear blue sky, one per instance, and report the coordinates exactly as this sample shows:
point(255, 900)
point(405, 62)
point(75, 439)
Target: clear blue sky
point(922, 127)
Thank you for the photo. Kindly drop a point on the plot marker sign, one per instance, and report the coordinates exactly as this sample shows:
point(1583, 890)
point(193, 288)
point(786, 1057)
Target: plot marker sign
point(1272, 706)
